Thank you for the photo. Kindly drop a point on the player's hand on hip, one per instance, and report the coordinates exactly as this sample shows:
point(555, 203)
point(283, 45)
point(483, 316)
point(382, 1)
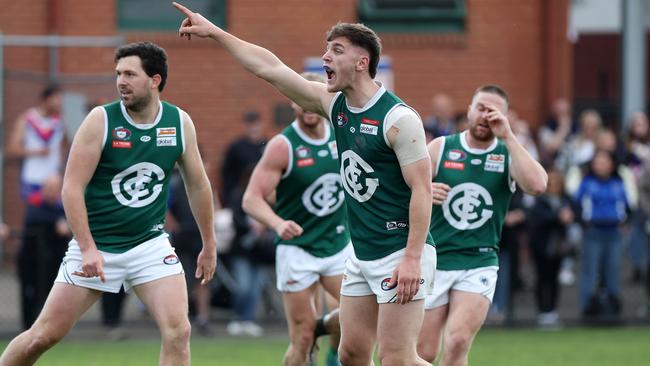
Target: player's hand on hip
point(92, 264)
point(439, 192)
point(407, 278)
point(194, 23)
point(288, 230)
point(206, 264)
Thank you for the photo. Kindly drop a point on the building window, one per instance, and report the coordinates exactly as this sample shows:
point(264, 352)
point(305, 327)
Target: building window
point(152, 15)
point(401, 16)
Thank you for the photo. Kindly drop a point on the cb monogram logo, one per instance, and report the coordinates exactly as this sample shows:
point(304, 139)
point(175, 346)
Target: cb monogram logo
point(132, 187)
point(324, 196)
point(352, 165)
point(462, 206)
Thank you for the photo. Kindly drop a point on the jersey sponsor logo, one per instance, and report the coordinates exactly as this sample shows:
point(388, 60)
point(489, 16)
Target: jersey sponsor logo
point(385, 284)
point(370, 121)
point(138, 185)
point(352, 169)
point(467, 206)
point(333, 151)
point(324, 196)
point(121, 133)
point(368, 129)
point(303, 152)
point(394, 225)
point(305, 162)
point(456, 155)
point(495, 163)
point(341, 119)
point(476, 161)
point(340, 229)
point(121, 144)
point(166, 141)
point(166, 132)
point(171, 259)
point(352, 129)
point(145, 138)
point(454, 165)
point(157, 227)
point(322, 153)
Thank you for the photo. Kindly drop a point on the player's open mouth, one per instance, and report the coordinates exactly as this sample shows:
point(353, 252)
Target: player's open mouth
point(329, 72)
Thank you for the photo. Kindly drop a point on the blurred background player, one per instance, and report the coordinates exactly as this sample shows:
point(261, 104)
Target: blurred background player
point(300, 172)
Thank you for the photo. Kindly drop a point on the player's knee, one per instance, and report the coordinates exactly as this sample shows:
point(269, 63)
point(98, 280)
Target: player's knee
point(41, 340)
point(178, 333)
point(457, 344)
point(427, 351)
point(353, 356)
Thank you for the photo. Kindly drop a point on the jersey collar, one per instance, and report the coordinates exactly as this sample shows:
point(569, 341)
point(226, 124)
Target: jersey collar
point(465, 145)
point(141, 126)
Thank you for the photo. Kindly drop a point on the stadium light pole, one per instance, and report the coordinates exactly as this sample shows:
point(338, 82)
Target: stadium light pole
point(633, 60)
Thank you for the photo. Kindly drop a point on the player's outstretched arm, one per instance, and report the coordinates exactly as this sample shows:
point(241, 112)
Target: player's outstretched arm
point(199, 194)
point(264, 180)
point(85, 153)
point(310, 95)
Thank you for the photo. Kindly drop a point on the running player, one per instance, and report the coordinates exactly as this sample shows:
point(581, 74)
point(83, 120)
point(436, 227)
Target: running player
point(386, 174)
point(301, 166)
point(475, 172)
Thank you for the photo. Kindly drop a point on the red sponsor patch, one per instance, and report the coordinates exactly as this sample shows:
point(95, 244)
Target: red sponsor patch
point(121, 144)
point(454, 165)
point(370, 121)
point(305, 162)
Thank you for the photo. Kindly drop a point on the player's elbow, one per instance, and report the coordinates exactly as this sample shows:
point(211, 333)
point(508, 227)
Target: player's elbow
point(538, 186)
point(247, 202)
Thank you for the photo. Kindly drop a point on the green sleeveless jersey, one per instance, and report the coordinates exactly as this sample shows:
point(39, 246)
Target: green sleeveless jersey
point(310, 193)
point(467, 226)
point(127, 196)
point(377, 197)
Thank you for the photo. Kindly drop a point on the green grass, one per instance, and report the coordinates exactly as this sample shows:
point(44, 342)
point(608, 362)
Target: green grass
point(575, 347)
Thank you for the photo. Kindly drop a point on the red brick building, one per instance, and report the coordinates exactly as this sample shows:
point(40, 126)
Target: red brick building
point(520, 45)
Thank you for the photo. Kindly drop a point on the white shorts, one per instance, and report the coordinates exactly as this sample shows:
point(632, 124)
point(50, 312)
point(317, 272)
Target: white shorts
point(363, 278)
point(149, 261)
point(296, 269)
point(481, 280)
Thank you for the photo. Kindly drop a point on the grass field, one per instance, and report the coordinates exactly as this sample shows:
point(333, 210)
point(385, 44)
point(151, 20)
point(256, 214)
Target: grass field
point(573, 347)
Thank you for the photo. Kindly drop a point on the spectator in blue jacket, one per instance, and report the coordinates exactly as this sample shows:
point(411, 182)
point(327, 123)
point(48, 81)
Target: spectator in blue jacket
point(603, 205)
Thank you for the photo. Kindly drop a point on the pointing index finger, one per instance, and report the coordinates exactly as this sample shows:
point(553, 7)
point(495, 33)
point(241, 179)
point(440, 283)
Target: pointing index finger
point(182, 9)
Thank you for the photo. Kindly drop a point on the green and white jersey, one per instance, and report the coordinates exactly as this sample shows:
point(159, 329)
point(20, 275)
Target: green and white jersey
point(127, 196)
point(377, 197)
point(310, 193)
point(467, 226)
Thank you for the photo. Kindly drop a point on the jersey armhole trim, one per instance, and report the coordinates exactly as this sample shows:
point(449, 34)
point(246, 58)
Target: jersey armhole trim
point(290, 165)
point(441, 150)
point(331, 107)
point(105, 128)
point(182, 128)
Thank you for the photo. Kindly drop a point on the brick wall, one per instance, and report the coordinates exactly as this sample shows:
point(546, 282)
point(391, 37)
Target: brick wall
point(506, 42)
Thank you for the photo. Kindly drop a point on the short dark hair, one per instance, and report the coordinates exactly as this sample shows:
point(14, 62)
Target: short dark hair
point(152, 56)
point(360, 36)
point(493, 89)
point(50, 90)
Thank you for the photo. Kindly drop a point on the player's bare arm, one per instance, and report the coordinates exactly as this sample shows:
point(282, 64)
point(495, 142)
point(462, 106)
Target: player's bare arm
point(526, 171)
point(439, 190)
point(263, 182)
point(199, 194)
point(408, 140)
point(310, 95)
point(15, 148)
point(85, 153)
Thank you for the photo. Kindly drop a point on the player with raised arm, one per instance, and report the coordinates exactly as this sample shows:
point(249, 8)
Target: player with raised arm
point(475, 172)
point(386, 174)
